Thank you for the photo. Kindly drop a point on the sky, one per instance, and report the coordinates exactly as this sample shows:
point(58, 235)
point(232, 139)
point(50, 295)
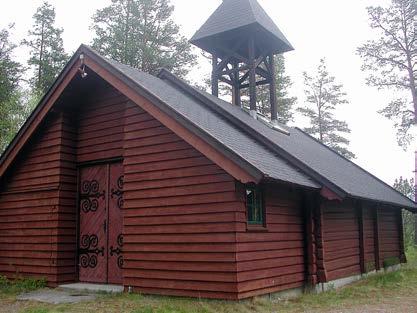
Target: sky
point(317, 29)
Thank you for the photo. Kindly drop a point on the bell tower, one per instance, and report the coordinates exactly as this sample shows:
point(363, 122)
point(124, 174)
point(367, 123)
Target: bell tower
point(242, 40)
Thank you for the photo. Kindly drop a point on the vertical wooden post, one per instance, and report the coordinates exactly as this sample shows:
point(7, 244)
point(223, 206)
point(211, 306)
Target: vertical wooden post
point(236, 87)
point(214, 77)
point(359, 210)
point(310, 249)
point(319, 234)
point(403, 258)
point(377, 239)
point(252, 76)
point(272, 89)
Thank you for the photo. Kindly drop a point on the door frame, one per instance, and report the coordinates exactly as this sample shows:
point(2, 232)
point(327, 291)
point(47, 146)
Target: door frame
point(79, 166)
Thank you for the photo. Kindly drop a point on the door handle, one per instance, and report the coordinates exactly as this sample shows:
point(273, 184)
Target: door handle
point(105, 226)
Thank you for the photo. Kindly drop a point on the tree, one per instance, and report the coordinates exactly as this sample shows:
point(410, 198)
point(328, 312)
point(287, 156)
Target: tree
point(142, 34)
point(391, 61)
point(323, 95)
point(285, 103)
point(47, 55)
point(406, 187)
point(11, 111)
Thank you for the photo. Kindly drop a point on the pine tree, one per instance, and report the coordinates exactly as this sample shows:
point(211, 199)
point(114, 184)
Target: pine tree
point(47, 55)
point(391, 61)
point(142, 34)
point(406, 187)
point(323, 95)
point(11, 111)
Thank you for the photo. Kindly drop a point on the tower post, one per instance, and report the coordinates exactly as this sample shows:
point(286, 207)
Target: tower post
point(242, 40)
point(214, 76)
point(272, 89)
point(252, 77)
point(236, 86)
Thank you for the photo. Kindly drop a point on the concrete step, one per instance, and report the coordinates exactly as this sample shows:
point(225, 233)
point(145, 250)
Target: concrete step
point(94, 288)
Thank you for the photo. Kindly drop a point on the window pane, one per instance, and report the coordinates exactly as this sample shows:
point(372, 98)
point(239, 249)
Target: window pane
point(255, 213)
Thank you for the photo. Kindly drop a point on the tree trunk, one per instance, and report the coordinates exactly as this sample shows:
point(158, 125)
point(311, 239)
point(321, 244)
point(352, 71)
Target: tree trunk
point(41, 57)
point(415, 198)
point(125, 54)
point(413, 94)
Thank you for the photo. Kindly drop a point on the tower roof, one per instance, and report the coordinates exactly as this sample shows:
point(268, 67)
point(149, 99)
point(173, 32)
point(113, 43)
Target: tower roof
point(237, 19)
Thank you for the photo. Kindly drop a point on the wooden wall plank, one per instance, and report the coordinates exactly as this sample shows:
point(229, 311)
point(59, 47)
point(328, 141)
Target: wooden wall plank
point(342, 239)
point(272, 260)
point(180, 215)
point(34, 238)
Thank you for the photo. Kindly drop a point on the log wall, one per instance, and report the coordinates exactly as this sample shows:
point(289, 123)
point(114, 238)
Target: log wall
point(389, 235)
point(100, 126)
point(180, 215)
point(33, 228)
point(341, 239)
point(369, 238)
point(271, 259)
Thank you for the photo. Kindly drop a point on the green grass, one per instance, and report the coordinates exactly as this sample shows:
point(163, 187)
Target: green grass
point(20, 284)
point(382, 288)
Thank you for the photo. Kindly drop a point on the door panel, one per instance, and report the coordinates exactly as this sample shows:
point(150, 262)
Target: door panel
point(101, 223)
point(115, 259)
point(93, 216)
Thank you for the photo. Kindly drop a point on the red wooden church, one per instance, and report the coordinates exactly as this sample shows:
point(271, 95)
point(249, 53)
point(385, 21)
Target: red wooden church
point(120, 177)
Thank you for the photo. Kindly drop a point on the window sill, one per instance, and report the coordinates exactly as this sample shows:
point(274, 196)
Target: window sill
point(256, 228)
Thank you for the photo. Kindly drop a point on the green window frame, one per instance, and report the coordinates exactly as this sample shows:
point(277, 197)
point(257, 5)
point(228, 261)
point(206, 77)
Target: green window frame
point(255, 212)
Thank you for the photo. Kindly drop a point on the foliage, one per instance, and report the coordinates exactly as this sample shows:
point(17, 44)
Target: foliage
point(391, 261)
point(285, 103)
point(391, 61)
point(20, 284)
point(406, 187)
point(142, 34)
point(369, 266)
point(47, 54)
point(323, 95)
point(11, 111)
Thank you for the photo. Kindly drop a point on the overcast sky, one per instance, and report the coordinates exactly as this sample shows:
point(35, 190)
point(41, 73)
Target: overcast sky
point(321, 28)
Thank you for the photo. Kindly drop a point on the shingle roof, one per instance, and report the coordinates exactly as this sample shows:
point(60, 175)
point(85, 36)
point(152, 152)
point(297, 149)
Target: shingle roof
point(234, 14)
point(290, 156)
point(217, 127)
point(344, 174)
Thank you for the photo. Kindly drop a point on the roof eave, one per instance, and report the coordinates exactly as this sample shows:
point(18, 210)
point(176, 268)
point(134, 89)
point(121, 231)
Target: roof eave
point(249, 168)
point(243, 127)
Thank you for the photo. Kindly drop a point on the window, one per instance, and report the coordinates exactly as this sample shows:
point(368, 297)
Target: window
point(254, 205)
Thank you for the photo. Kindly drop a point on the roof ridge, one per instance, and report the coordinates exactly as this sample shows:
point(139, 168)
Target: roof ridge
point(353, 163)
point(294, 161)
point(253, 132)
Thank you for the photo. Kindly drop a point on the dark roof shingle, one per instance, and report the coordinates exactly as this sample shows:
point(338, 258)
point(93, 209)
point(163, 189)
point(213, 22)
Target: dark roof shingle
point(289, 156)
point(234, 14)
point(346, 175)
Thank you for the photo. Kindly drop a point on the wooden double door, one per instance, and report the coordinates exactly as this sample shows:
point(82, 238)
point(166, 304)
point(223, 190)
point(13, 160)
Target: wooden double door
point(100, 247)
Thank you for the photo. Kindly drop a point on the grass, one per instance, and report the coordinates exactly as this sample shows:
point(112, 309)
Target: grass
point(20, 284)
point(389, 288)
